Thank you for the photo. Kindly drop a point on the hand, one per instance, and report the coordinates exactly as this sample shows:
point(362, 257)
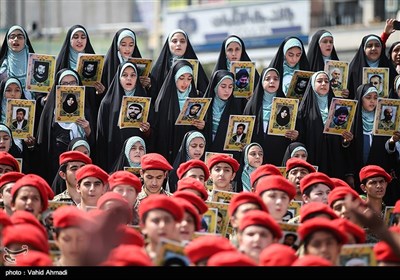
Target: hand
point(199, 124)
point(389, 26)
point(292, 134)
point(145, 81)
point(396, 136)
point(144, 127)
point(348, 136)
point(99, 87)
point(85, 125)
point(345, 93)
point(30, 141)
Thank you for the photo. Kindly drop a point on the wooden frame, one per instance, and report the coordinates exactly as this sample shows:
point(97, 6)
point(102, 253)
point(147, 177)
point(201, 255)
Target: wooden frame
point(298, 84)
point(383, 126)
point(222, 212)
point(373, 73)
point(339, 108)
point(240, 68)
point(126, 117)
point(278, 125)
point(195, 67)
point(133, 170)
point(40, 72)
point(90, 68)
point(186, 118)
point(235, 121)
point(143, 65)
point(222, 196)
point(341, 67)
point(65, 110)
point(27, 107)
point(359, 254)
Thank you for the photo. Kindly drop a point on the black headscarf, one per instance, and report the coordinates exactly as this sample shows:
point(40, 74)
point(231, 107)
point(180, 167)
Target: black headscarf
point(314, 54)
point(290, 149)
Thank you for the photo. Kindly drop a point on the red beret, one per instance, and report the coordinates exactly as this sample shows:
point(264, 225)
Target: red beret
point(33, 258)
point(188, 207)
point(370, 171)
point(25, 217)
point(260, 218)
point(263, 170)
point(396, 209)
point(298, 162)
point(194, 199)
point(204, 247)
point(315, 178)
point(233, 258)
point(71, 216)
point(276, 182)
point(18, 234)
point(311, 260)
point(339, 182)
point(74, 156)
point(10, 177)
point(193, 184)
point(32, 180)
point(131, 236)
point(347, 226)
point(124, 178)
point(4, 219)
point(315, 208)
point(8, 159)
point(383, 252)
point(318, 224)
point(163, 202)
point(277, 254)
point(339, 193)
point(91, 170)
point(108, 196)
point(216, 158)
point(245, 197)
point(154, 161)
point(193, 163)
point(128, 255)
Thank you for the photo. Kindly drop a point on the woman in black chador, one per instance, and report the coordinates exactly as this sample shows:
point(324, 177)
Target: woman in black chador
point(70, 104)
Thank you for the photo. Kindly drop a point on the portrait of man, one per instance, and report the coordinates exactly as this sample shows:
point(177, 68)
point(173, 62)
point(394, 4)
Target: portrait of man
point(193, 112)
point(134, 112)
point(290, 239)
point(20, 122)
point(89, 69)
point(387, 122)
point(301, 85)
point(41, 71)
point(340, 117)
point(242, 78)
point(240, 135)
point(377, 81)
point(336, 79)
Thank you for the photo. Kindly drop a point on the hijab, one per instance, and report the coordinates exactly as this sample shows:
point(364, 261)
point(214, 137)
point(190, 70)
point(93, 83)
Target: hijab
point(314, 54)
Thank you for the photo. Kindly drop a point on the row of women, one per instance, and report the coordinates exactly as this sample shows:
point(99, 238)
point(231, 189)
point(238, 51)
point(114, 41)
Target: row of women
point(171, 82)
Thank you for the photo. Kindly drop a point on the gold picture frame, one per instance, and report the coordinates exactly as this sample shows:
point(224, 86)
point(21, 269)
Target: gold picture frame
point(143, 65)
point(245, 123)
point(40, 72)
point(222, 196)
point(193, 109)
point(338, 73)
point(20, 162)
point(283, 115)
point(340, 116)
point(133, 170)
point(298, 84)
point(70, 103)
point(357, 255)
point(243, 88)
point(195, 67)
point(282, 169)
point(294, 207)
point(377, 76)
point(387, 117)
point(171, 253)
point(389, 216)
point(24, 127)
point(290, 236)
point(90, 68)
point(222, 216)
point(134, 111)
point(210, 217)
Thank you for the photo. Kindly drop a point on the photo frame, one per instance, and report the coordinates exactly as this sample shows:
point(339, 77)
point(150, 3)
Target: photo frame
point(298, 84)
point(20, 162)
point(143, 65)
point(195, 67)
point(338, 73)
point(290, 236)
point(171, 253)
point(193, 109)
point(282, 169)
point(134, 111)
point(90, 68)
point(340, 116)
point(244, 73)
point(209, 183)
point(243, 124)
point(47, 215)
point(222, 216)
point(70, 103)
point(40, 72)
point(379, 77)
point(222, 196)
point(283, 115)
point(294, 208)
point(387, 117)
point(133, 170)
point(20, 117)
point(210, 217)
point(357, 255)
point(389, 216)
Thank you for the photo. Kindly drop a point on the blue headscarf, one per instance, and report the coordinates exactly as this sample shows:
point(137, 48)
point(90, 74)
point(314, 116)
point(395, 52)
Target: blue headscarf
point(173, 56)
point(192, 136)
point(230, 40)
point(368, 117)
point(267, 100)
point(183, 95)
point(218, 107)
point(124, 34)
point(128, 147)
point(321, 100)
point(4, 100)
point(73, 54)
point(248, 169)
point(128, 64)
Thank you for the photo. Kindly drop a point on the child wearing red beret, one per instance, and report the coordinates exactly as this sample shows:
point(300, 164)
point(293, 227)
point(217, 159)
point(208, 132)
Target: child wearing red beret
point(6, 182)
point(223, 169)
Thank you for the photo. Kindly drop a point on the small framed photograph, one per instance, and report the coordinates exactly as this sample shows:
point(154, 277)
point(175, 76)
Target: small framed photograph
point(143, 65)
point(193, 109)
point(210, 217)
point(171, 253)
point(298, 84)
point(20, 162)
point(379, 78)
point(134, 111)
point(239, 133)
point(40, 72)
point(283, 115)
point(244, 72)
point(338, 72)
point(389, 216)
point(340, 116)
point(290, 237)
point(294, 208)
point(20, 117)
point(357, 255)
point(70, 103)
point(222, 216)
point(195, 66)
point(387, 117)
point(90, 68)
point(222, 196)
point(133, 170)
point(47, 216)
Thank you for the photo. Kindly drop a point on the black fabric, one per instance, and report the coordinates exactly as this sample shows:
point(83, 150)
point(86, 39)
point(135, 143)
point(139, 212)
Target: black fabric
point(314, 54)
point(289, 150)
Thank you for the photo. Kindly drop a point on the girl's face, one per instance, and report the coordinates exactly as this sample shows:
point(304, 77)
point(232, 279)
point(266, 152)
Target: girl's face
point(126, 47)
point(184, 81)
point(370, 101)
point(160, 223)
point(13, 91)
point(70, 101)
point(271, 81)
point(255, 156)
point(373, 50)
point(136, 152)
point(69, 80)
point(326, 46)
point(300, 155)
point(277, 203)
point(83, 149)
point(16, 40)
point(73, 243)
point(196, 148)
point(322, 84)
point(78, 41)
point(284, 113)
point(234, 51)
point(5, 141)
point(395, 55)
point(225, 89)
point(178, 44)
point(186, 227)
point(292, 56)
point(128, 79)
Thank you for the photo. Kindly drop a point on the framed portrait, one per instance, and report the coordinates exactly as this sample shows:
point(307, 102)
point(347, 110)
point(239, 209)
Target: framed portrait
point(298, 84)
point(133, 170)
point(387, 117)
point(20, 117)
point(210, 217)
point(294, 208)
point(195, 66)
point(338, 72)
point(282, 169)
point(90, 68)
point(70, 103)
point(40, 72)
point(222, 216)
point(47, 216)
point(193, 109)
point(143, 65)
point(20, 162)
point(209, 183)
point(357, 255)
point(171, 253)
point(134, 111)
point(379, 78)
point(222, 196)
point(244, 72)
point(239, 132)
point(290, 237)
point(389, 216)
point(283, 115)
point(340, 116)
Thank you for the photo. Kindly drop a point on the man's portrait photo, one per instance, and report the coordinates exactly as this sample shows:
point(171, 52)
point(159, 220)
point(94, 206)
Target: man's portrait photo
point(301, 85)
point(377, 81)
point(89, 69)
point(387, 122)
point(239, 136)
point(134, 112)
point(20, 121)
point(193, 112)
point(242, 78)
point(41, 71)
point(70, 104)
point(340, 117)
point(336, 79)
